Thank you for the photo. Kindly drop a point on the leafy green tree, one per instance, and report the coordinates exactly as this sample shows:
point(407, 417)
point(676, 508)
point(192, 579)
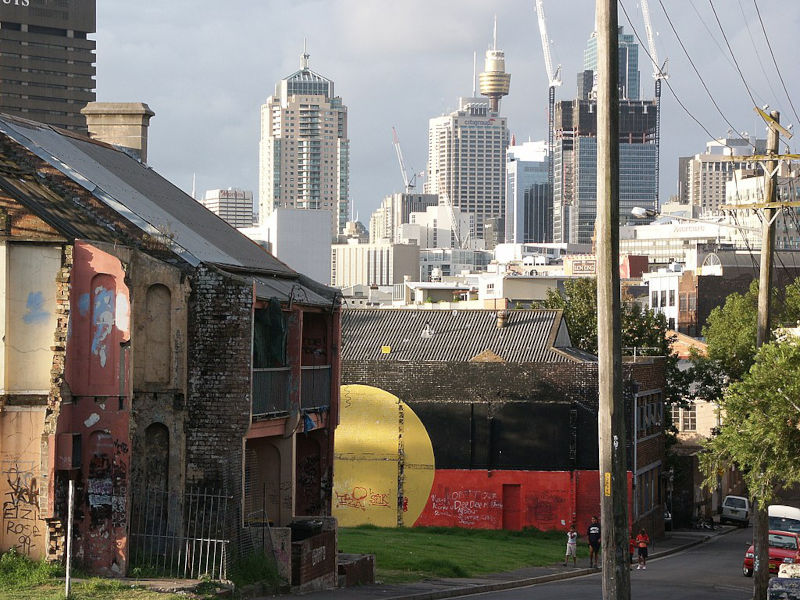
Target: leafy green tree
point(759, 431)
point(579, 303)
point(642, 329)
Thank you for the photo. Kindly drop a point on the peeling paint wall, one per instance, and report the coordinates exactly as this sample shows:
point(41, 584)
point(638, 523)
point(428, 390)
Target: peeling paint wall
point(98, 372)
point(23, 526)
point(29, 289)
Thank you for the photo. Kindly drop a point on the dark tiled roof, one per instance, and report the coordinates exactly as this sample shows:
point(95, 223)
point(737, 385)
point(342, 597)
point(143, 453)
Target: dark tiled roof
point(144, 198)
point(529, 336)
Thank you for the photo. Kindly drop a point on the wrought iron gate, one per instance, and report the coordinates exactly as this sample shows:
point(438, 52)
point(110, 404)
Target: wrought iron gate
point(185, 539)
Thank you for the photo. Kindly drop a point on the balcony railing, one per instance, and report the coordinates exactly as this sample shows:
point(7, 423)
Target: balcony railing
point(315, 391)
point(270, 391)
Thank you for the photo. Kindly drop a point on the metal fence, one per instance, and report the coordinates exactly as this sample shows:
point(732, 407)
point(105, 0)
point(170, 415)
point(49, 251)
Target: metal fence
point(270, 391)
point(186, 540)
point(315, 390)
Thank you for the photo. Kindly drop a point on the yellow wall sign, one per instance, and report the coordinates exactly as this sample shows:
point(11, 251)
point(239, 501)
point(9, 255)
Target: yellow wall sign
point(607, 484)
point(386, 349)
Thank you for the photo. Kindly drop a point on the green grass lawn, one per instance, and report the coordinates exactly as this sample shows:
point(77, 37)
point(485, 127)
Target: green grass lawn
point(23, 579)
point(408, 554)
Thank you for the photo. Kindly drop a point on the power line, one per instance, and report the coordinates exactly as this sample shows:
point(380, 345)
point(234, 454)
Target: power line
point(755, 49)
point(733, 56)
point(700, 77)
point(772, 54)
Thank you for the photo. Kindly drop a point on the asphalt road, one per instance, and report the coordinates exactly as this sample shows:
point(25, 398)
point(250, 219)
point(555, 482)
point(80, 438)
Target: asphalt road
point(708, 571)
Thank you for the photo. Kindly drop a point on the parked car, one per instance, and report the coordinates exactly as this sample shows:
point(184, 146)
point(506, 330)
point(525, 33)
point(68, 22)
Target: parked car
point(785, 518)
point(784, 548)
point(735, 509)
point(667, 521)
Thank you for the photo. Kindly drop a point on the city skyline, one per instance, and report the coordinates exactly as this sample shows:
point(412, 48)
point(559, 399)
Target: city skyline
point(400, 65)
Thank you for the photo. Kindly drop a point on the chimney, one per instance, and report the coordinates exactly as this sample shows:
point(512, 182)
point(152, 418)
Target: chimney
point(121, 124)
point(502, 317)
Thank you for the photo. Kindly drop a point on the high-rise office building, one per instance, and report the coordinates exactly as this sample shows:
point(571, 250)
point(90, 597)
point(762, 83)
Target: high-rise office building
point(575, 165)
point(702, 177)
point(48, 63)
point(233, 205)
point(466, 160)
point(394, 211)
point(628, 64)
point(529, 212)
point(304, 157)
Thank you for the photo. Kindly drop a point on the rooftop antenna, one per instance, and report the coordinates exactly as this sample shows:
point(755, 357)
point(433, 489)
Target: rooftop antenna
point(305, 56)
point(494, 36)
point(474, 74)
point(194, 186)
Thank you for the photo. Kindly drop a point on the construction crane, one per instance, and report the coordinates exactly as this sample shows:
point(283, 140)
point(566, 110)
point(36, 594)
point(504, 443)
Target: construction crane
point(659, 73)
point(553, 80)
point(409, 183)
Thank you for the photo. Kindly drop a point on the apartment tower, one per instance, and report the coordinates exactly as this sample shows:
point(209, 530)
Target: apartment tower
point(48, 63)
point(304, 151)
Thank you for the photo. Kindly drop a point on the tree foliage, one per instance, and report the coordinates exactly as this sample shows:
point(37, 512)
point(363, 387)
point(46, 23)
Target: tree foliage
point(760, 431)
point(643, 330)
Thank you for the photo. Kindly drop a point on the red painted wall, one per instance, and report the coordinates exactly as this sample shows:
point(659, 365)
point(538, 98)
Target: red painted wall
point(97, 369)
point(548, 499)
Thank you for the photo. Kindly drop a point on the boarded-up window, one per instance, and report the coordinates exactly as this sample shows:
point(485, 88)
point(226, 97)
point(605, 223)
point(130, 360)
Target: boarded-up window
point(157, 456)
point(157, 354)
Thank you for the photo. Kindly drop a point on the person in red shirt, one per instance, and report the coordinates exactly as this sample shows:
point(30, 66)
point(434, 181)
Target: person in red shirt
point(632, 546)
point(642, 541)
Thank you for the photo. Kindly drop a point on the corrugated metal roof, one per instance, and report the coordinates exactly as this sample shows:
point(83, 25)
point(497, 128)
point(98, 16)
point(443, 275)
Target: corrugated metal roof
point(452, 335)
point(144, 198)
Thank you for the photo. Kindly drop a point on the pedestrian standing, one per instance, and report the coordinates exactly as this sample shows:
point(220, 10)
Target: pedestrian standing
point(572, 546)
point(642, 541)
point(593, 535)
point(632, 547)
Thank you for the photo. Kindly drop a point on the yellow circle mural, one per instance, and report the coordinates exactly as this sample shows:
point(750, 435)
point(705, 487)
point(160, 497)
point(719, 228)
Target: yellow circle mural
point(383, 460)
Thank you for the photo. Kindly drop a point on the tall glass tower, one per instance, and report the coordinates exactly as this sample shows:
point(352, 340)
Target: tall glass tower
point(304, 158)
point(628, 63)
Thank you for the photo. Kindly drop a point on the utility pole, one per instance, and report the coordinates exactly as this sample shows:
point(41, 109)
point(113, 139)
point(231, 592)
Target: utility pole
point(769, 206)
point(760, 517)
point(611, 414)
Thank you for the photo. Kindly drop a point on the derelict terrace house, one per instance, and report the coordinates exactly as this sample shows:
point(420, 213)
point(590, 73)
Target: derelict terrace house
point(184, 378)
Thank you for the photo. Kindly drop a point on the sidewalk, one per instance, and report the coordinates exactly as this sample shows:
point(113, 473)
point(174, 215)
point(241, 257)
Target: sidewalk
point(432, 589)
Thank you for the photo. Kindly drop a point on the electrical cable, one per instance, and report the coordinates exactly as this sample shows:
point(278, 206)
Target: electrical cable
point(700, 77)
point(755, 49)
point(772, 54)
point(733, 56)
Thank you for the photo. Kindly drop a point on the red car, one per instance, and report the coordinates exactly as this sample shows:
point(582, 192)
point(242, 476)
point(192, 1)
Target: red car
point(784, 547)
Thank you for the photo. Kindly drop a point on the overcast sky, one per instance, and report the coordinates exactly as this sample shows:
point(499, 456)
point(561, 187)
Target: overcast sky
point(206, 66)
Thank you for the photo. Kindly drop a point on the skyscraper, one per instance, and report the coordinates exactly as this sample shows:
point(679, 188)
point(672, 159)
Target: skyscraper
point(304, 157)
point(47, 69)
point(575, 148)
point(628, 63)
point(466, 160)
point(575, 165)
point(529, 213)
point(233, 205)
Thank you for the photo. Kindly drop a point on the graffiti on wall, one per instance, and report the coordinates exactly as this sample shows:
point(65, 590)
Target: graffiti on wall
point(22, 526)
point(361, 498)
point(466, 507)
point(107, 485)
point(102, 322)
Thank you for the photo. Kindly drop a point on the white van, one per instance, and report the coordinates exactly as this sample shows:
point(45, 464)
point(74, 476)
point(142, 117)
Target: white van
point(735, 509)
point(784, 518)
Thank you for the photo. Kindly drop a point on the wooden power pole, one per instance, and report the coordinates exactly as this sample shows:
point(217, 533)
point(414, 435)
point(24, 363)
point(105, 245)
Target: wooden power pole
point(770, 206)
point(760, 517)
point(611, 417)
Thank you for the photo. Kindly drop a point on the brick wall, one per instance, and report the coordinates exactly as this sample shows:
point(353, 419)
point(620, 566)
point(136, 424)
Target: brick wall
point(475, 382)
point(218, 397)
